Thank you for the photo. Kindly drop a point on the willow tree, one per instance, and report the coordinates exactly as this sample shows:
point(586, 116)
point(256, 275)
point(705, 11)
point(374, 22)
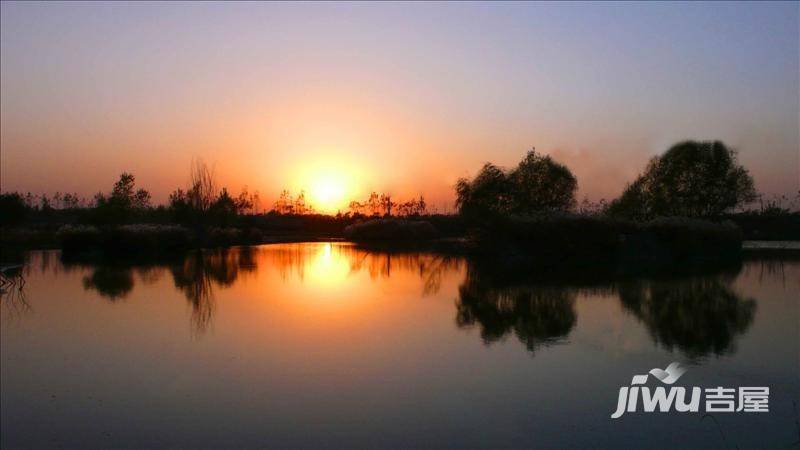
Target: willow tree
point(692, 179)
point(537, 185)
point(540, 184)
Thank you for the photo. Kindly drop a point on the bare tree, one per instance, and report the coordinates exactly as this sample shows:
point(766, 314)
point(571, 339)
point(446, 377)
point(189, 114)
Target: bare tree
point(300, 203)
point(387, 204)
point(203, 192)
point(374, 204)
point(421, 207)
point(357, 207)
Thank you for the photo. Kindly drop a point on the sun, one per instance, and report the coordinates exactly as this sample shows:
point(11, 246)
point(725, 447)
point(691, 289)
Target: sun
point(329, 181)
point(327, 190)
point(328, 187)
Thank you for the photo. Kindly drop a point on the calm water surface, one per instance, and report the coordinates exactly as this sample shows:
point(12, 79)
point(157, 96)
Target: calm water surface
point(310, 345)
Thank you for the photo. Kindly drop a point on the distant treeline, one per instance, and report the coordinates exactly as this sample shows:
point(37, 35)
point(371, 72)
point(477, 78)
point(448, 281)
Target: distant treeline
point(202, 203)
point(692, 179)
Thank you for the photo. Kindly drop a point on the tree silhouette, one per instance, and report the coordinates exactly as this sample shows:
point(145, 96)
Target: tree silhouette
point(120, 204)
point(357, 207)
point(285, 204)
point(247, 202)
point(223, 211)
point(288, 205)
point(300, 203)
point(123, 189)
point(384, 205)
point(387, 204)
point(488, 192)
point(374, 204)
point(538, 184)
point(12, 209)
point(203, 191)
point(413, 207)
point(693, 179)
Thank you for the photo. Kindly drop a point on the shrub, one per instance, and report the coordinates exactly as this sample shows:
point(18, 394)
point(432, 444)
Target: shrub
point(12, 209)
point(149, 237)
point(126, 238)
point(685, 236)
point(559, 238)
point(391, 229)
point(553, 236)
point(78, 237)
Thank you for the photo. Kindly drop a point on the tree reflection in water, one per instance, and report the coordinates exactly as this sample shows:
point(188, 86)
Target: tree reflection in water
point(696, 314)
point(430, 267)
point(200, 271)
point(537, 315)
point(195, 275)
point(113, 283)
point(699, 316)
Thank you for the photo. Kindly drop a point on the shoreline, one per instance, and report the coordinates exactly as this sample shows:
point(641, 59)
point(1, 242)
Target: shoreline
point(548, 241)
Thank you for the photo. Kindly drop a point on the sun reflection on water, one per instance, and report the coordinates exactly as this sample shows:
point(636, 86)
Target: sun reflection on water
point(329, 267)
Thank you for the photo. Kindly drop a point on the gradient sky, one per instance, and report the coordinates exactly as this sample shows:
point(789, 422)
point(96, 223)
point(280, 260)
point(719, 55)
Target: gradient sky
point(402, 98)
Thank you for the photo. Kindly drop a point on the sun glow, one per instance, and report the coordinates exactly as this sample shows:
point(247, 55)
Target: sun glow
point(327, 191)
point(329, 187)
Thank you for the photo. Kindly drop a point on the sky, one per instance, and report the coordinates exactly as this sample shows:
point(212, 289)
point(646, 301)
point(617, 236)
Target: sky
point(341, 99)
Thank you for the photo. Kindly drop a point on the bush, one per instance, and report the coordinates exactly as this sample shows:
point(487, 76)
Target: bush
point(555, 239)
point(140, 238)
point(148, 237)
point(12, 209)
point(391, 229)
point(78, 237)
point(554, 236)
point(684, 236)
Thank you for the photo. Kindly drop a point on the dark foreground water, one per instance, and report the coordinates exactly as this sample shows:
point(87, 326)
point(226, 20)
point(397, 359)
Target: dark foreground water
point(312, 345)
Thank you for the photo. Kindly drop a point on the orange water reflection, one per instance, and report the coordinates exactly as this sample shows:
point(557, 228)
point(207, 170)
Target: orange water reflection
point(699, 315)
point(292, 344)
point(307, 273)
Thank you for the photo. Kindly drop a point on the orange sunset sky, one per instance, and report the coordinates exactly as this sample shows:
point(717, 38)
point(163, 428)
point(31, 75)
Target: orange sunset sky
point(344, 99)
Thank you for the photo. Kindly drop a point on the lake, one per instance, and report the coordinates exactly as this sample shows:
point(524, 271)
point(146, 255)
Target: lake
point(326, 344)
